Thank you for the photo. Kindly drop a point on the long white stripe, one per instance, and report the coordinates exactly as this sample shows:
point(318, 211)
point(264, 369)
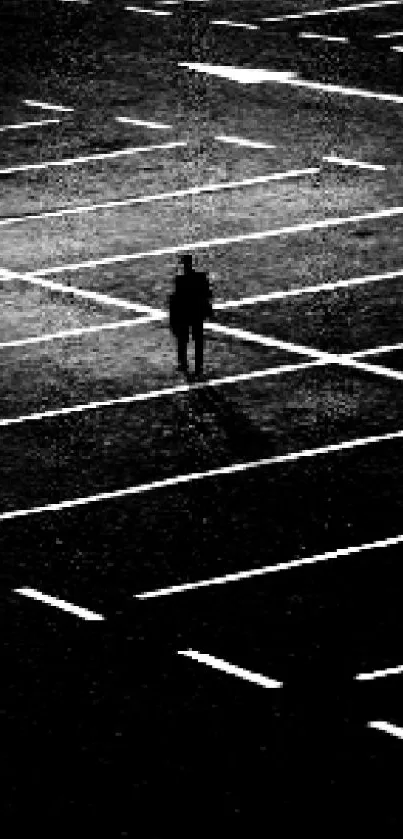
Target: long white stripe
point(72, 161)
point(376, 674)
point(346, 161)
point(345, 91)
point(343, 359)
point(387, 348)
point(334, 11)
point(313, 289)
point(162, 393)
point(390, 35)
point(161, 196)
point(146, 11)
point(85, 294)
point(232, 669)
point(232, 23)
point(59, 603)
point(305, 227)
point(147, 124)
point(259, 76)
point(387, 727)
point(189, 477)
point(34, 123)
point(46, 106)
point(74, 333)
point(238, 141)
point(271, 569)
point(397, 49)
point(316, 37)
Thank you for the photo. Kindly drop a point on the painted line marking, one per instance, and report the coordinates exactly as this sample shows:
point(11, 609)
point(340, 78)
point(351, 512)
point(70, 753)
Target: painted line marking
point(86, 614)
point(334, 11)
point(346, 161)
point(345, 91)
point(233, 24)
point(46, 106)
point(88, 158)
point(343, 359)
point(315, 36)
point(390, 35)
point(189, 477)
point(231, 669)
point(313, 289)
point(259, 76)
point(33, 124)
point(387, 348)
point(82, 330)
point(146, 123)
point(376, 674)
point(387, 727)
point(163, 392)
point(397, 49)
point(162, 196)
point(85, 294)
point(304, 227)
point(146, 11)
point(239, 141)
point(270, 569)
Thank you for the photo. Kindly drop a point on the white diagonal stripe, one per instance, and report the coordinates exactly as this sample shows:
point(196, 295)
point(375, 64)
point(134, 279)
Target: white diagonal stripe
point(272, 569)
point(376, 674)
point(59, 603)
point(232, 669)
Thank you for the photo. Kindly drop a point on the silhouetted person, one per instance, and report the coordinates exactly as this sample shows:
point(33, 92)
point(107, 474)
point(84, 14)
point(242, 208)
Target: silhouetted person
point(189, 306)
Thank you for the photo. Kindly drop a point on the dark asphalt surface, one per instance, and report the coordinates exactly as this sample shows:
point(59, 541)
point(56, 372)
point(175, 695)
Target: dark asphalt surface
point(105, 724)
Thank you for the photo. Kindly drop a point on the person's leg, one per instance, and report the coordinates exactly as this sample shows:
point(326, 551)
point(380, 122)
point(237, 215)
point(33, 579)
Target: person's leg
point(183, 339)
point(199, 347)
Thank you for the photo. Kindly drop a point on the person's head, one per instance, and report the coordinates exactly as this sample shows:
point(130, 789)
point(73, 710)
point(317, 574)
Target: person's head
point(186, 260)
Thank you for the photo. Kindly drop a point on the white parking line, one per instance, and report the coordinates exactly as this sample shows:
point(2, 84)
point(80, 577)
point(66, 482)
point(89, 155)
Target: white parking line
point(397, 49)
point(232, 23)
point(386, 348)
point(313, 289)
point(162, 196)
point(387, 727)
point(314, 36)
point(75, 333)
point(346, 161)
point(59, 604)
point(85, 294)
point(345, 91)
point(304, 227)
point(72, 161)
point(271, 569)
point(46, 106)
point(146, 123)
point(343, 359)
point(231, 669)
point(335, 10)
point(390, 35)
point(146, 11)
point(377, 674)
point(189, 477)
point(260, 76)
point(33, 124)
point(280, 370)
point(238, 141)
